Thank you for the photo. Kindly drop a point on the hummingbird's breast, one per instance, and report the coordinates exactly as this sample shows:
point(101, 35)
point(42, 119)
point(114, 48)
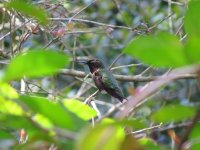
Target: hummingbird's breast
point(97, 78)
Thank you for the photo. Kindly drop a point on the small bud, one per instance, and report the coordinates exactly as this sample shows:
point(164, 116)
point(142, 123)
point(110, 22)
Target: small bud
point(60, 32)
point(23, 137)
point(70, 26)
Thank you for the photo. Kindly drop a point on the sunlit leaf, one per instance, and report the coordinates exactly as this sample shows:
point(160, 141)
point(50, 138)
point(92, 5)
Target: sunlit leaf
point(134, 123)
point(35, 64)
point(192, 24)
point(7, 91)
point(43, 121)
point(161, 50)
point(102, 137)
point(10, 107)
point(149, 144)
point(173, 113)
point(107, 121)
point(28, 9)
point(55, 112)
point(80, 109)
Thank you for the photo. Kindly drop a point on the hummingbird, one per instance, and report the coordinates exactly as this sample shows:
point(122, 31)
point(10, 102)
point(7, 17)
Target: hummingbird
point(103, 78)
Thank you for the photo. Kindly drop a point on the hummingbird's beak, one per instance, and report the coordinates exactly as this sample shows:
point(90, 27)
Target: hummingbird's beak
point(83, 60)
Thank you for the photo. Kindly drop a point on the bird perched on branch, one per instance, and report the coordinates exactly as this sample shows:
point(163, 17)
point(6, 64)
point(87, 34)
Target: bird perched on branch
point(103, 78)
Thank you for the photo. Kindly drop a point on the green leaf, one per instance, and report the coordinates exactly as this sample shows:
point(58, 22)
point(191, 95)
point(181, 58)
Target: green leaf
point(54, 111)
point(35, 64)
point(149, 144)
point(43, 121)
point(194, 137)
point(162, 50)
point(192, 23)
point(7, 91)
point(192, 49)
point(173, 113)
point(80, 109)
point(134, 123)
point(195, 131)
point(192, 27)
point(28, 9)
point(5, 135)
point(10, 107)
point(101, 137)
point(15, 123)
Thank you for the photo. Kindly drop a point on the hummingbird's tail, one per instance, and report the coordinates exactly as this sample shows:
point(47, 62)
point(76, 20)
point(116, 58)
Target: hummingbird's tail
point(123, 100)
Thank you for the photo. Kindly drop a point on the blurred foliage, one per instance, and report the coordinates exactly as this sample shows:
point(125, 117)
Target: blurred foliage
point(28, 9)
point(161, 45)
point(42, 107)
point(35, 59)
point(173, 113)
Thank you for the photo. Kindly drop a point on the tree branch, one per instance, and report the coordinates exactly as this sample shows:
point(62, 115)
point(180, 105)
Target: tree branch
point(126, 78)
point(155, 86)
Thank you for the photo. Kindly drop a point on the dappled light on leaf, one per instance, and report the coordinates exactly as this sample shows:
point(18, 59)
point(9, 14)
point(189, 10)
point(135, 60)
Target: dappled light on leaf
point(80, 109)
point(7, 91)
point(55, 112)
point(10, 107)
point(101, 137)
point(43, 121)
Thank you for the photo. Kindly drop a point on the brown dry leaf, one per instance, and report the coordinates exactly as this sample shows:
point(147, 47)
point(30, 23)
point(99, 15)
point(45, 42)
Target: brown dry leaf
point(70, 26)
point(173, 136)
point(60, 32)
point(131, 91)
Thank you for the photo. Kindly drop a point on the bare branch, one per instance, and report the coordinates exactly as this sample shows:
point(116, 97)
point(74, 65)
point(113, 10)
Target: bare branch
point(154, 86)
point(126, 78)
point(92, 22)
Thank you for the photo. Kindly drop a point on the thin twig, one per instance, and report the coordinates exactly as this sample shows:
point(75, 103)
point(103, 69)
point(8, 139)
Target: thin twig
point(116, 59)
point(91, 96)
point(146, 129)
point(82, 10)
point(7, 34)
point(110, 111)
point(145, 71)
point(94, 106)
point(170, 18)
point(126, 66)
point(165, 18)
point(92, 22)
point(176, 3)
point(54, 39)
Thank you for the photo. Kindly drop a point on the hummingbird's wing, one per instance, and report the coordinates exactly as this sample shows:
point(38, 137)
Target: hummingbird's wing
point(110, 82)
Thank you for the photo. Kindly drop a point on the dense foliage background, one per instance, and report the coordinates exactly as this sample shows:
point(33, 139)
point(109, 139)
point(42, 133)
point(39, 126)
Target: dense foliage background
point(49, 101)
